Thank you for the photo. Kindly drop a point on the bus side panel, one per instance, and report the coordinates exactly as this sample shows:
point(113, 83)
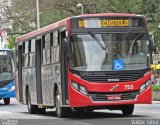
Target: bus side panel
point(24, 83)
point(31, 82)
point(28, 79)
point(48, 80)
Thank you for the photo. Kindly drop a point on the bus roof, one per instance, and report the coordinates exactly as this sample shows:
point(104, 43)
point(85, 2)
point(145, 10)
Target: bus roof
point(107, 14)
point(4, 49)
point(63, 23)
point(42, 30)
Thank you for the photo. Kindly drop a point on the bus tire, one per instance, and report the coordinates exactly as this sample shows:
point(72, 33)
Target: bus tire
point(6, 101)
point(32, 109)
point(60, 111)
point(128, 109)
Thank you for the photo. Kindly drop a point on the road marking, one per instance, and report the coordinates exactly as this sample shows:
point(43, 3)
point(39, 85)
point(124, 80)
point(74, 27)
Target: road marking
point(10, 115)
point(82, 123)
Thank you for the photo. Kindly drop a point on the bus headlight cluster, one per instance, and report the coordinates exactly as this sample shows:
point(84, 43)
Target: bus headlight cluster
point(11, 89)
point(79, 88)
point(145, 85)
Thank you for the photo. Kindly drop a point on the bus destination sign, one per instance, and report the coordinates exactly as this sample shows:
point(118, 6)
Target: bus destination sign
point(6, 53)
point(3, 53)
point(103, 23)
point(109, 22)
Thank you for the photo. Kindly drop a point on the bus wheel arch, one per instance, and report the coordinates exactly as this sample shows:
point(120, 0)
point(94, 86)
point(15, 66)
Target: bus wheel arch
point(60, 111)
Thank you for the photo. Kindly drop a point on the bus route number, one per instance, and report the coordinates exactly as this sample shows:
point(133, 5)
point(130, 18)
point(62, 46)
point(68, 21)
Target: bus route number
point(128, 87)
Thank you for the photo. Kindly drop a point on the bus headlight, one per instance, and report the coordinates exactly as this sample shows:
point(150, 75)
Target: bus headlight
point(79, 88)
point(11, 89)
point(75, 85)
point(148, 83)
point(145, 85)
point(83, 90)
point(142, 88)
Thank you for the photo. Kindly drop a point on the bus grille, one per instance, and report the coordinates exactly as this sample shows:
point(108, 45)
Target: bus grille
point(124, 96)
point(113, 77)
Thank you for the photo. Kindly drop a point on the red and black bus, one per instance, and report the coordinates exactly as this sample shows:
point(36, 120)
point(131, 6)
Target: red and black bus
point(86, 62)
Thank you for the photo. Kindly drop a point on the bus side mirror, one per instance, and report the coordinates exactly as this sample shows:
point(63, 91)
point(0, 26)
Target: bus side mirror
point(152, 44)
point(66, 47)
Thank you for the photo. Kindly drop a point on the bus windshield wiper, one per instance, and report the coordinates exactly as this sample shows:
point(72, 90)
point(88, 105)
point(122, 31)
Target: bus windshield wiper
point(98, 42)
point(126, 35)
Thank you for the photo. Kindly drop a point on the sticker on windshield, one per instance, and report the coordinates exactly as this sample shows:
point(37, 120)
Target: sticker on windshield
point(118, 64)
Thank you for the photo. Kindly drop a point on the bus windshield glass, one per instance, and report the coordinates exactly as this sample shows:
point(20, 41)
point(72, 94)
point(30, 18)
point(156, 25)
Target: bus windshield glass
point(98, 51)
point(6, 69)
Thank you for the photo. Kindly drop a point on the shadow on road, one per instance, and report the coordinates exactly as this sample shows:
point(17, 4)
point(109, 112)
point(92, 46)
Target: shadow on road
point(2, 104)
point(90, 115)
point(97, 115)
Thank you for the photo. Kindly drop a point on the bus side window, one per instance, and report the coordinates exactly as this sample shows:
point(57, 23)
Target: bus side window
point(25, 54)
point(55, 47)
point(32, 53)
point(46, 49)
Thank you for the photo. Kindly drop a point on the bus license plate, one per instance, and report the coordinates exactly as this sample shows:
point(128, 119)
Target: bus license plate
point(113, 97)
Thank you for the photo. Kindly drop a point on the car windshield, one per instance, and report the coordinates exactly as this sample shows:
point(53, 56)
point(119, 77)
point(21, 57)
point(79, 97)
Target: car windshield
point(6, 69)
point(104, 52)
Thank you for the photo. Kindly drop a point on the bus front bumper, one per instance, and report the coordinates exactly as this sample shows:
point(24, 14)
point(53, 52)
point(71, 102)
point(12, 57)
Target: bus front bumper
point(78, 99)
point(7, 93)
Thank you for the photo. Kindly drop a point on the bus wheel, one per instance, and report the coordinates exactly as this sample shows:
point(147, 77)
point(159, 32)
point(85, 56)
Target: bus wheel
point(60, 111)
point(32, 109)
point(7, 101)
point(127, 109)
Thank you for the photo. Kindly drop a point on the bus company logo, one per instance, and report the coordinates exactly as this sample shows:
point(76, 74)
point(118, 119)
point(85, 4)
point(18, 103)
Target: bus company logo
point(114, 88)
point(113, 80)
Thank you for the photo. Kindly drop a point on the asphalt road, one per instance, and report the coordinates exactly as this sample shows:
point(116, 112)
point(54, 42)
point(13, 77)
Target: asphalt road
point(17, 114)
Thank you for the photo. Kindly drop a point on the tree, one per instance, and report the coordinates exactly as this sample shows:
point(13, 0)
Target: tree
point(23, 12)
point(4, 21)
point(119, 6)
point(11, 41)
point(151, 8)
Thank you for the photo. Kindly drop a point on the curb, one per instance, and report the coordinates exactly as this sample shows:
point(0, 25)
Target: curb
point(156, 102)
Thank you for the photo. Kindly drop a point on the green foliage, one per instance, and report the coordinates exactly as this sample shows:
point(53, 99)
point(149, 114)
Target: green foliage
point(11, 41)
point(121, 6)
point(155, 88)
point(23, 12)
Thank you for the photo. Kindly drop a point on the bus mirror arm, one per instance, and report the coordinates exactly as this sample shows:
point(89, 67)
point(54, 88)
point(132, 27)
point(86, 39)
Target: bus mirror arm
point(152, 45)
point(66, 47)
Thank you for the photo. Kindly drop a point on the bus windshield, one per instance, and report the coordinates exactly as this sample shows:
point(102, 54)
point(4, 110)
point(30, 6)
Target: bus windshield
point(96, 52)
point(6, 69)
